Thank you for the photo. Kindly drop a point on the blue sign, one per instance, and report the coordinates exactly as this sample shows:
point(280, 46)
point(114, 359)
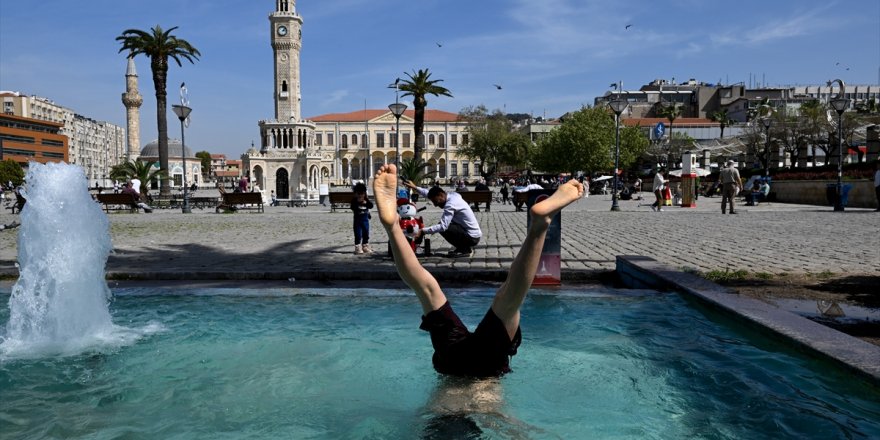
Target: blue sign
point(659, 129)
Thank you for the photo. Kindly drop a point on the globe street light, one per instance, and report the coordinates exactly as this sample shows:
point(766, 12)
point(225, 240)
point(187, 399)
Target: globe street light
point(767, 122)
point(617, 106)
point(397, 110)
point(839, 104)
point(182, 113)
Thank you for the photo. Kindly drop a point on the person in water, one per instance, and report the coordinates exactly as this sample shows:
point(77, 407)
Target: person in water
point(486, 352)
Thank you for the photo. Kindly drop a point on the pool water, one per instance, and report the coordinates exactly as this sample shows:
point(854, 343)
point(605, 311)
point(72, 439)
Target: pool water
point(334, 363)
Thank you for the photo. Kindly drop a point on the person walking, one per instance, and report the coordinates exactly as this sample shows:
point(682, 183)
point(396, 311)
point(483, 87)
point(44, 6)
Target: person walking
point(659, 186)
point(505, 192)
point(360, 207)
point(730, 186)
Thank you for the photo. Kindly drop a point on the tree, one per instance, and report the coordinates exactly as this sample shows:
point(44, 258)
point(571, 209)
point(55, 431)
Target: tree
point(815, 118)
point(159, 46)
point(205, 158)
point(671, 112)
point(11, 171)
point(415, 170)
point(723, 119)
point(492, 140)
point(143, 171)
point(418, 86)
point(585, 142)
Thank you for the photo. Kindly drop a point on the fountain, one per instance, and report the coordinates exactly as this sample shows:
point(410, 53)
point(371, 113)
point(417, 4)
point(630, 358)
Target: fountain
point(59, 305)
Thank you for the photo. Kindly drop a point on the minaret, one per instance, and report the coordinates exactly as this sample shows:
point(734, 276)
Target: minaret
point(132, 100)
point(286, 31)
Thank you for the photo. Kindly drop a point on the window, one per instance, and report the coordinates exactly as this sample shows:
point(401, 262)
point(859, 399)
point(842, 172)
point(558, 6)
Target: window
point(406, 140)
point(464, 139)
point(431, 140)
point(442, 141)
point(454, 139)
point(364, 143)
point(52, 142)
point(344, 141)
point(330, 139)
point(319, 138)
point(354, 139)
point(380, 140)
point(465, 169)
point(453, 169)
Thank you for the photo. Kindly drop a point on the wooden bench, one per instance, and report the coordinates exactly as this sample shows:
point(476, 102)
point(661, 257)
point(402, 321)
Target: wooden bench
point(242, 200)
point(340, 200)
point(118, 202)
point(477, 197)
point(19, 203)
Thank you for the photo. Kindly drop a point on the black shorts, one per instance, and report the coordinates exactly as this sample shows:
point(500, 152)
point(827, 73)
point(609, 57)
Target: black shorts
point(484, 353)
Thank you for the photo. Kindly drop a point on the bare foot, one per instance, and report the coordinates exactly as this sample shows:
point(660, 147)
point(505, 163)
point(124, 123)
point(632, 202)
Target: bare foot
point(385, 189)
point(567, 193)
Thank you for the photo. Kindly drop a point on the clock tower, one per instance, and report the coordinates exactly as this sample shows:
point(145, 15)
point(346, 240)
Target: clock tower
point(285, 28)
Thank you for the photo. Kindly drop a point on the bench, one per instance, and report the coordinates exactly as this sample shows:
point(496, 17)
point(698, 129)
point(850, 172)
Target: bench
point(519, 199)
point(242, 200)
point(19, 203)
point(340, 200)
point(477, 197)
point(118, 202)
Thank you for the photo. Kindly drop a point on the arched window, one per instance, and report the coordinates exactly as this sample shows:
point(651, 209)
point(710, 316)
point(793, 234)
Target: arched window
point(283, 86)
point(354, 139)
point(344, 141)
point(363, 141)
point(442, 141)
point(431, 139)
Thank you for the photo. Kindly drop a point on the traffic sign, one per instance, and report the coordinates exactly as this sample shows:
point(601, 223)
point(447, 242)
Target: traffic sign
point(659, 129)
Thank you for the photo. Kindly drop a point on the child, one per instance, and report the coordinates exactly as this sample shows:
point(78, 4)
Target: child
point(361, 207)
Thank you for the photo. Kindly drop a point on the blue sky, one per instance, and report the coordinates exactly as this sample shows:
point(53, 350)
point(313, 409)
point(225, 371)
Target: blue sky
point(549, 56)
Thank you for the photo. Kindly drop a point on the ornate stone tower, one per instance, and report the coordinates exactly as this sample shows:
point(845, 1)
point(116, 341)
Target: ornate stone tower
point(285, 26)
point(132, 100)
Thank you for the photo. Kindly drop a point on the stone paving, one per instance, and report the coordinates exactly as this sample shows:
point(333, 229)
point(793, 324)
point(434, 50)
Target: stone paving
point(313, 243)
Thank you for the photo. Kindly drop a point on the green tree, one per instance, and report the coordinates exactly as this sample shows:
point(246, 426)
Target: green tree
point(419, 85)
point(585, 142)
point(723, 119)
point(143, 171)
point(159, 45)
point(11, 171)
point(814, 117)
point(492, 141)
point(205, 158)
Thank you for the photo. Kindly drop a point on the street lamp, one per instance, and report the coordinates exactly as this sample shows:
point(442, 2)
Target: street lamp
point(767, 122)
point(397, 110)
point(839, 104)
point(182, 113)
point(617, 106)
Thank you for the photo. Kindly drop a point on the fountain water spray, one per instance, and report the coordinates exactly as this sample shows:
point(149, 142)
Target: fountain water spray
point(59, 305)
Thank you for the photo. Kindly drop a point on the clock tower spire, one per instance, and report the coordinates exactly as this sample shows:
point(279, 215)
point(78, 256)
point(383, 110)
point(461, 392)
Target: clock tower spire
point(286, 38)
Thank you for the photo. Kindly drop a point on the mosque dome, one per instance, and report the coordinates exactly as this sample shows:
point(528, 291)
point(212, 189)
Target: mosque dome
point(174, 148)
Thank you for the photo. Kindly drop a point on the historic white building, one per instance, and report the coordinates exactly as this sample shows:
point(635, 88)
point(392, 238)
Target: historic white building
point(297, 155)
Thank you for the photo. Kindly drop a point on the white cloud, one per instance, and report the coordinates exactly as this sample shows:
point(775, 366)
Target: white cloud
point(810, 22)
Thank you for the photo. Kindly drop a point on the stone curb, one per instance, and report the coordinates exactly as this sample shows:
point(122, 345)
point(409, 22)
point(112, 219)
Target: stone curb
point(852, 353)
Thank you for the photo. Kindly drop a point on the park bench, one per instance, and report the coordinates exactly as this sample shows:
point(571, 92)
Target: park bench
point(520, 199)
point(18, 204)
point(242, 200)
point(477, 197)
point(340, 200)
point(118, 202)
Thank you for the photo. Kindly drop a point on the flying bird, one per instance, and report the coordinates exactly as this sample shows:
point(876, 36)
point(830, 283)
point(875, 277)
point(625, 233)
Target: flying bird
point(394, 85)
point(628, 26)
point(613, 86)
point(439, 45)
point(497, 86)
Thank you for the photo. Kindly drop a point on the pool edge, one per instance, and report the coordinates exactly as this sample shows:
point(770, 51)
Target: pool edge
point(856, 355)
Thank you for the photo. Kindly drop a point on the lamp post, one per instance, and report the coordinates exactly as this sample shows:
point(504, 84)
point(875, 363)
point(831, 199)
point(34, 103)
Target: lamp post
point(617, 106)
point(767, 122)
point(397, 110)
point(182, 113)
point(839, 104)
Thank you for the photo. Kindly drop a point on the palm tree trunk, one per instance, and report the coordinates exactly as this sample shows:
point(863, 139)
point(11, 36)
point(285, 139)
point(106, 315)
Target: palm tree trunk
point(160, 77)
point(419, 127)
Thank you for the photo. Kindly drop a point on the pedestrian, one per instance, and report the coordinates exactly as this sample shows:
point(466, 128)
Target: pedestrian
point(360, 207)
point(457, 225)
point(505, 192)
point(457, 351)
point(115, 187)
point(877, 183)
point(659, 187)
point(274, 198)
point(731, 184)
point(243, 184)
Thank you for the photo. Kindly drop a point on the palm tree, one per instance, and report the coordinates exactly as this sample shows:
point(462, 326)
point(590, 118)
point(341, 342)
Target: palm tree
point(418, 86)
point(143, 171)
point(723, 119)
point(415, 170)
point(159, 46)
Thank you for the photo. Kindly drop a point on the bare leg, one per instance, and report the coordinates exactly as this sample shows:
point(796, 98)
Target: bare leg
point(512, 293)
point(411, 271)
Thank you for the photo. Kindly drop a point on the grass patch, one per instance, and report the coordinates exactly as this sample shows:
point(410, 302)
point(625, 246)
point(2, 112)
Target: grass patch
point(763, 275)
point(726, 275)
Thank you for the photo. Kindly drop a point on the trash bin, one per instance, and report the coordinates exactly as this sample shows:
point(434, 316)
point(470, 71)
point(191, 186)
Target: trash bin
point(831, 193)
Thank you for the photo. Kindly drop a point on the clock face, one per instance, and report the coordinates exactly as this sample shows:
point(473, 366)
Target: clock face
point(282, 30)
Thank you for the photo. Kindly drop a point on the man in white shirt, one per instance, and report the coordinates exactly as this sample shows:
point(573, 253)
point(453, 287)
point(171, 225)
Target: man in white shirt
point(136, 185)
point(458, 225)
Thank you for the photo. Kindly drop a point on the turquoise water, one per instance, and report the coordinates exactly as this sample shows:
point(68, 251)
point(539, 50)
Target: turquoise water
point(349, 364)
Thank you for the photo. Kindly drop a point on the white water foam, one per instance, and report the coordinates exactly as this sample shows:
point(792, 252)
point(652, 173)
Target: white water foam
point(59, 305)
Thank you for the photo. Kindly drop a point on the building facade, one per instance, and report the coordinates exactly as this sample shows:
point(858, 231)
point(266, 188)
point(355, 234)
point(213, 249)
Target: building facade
point(27, 139)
